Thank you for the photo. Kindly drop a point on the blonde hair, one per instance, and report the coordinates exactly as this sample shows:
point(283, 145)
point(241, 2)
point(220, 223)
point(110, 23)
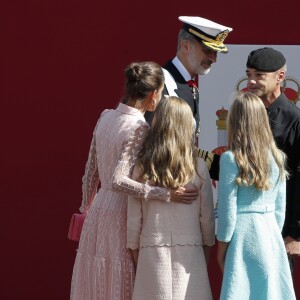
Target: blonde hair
point(167, 156)
point(251, 140)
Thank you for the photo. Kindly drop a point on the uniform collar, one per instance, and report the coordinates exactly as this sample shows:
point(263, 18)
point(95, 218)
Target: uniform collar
point(181, 68)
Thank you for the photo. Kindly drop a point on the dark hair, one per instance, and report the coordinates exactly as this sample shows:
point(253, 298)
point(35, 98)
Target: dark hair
point(142, 78)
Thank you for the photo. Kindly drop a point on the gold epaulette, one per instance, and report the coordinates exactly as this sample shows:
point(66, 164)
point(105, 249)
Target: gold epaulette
point(207, 156)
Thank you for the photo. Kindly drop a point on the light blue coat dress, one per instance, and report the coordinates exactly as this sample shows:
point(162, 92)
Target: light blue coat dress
point(256, 264)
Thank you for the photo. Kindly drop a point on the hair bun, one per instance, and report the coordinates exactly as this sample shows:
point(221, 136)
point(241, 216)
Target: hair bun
point(134, 72)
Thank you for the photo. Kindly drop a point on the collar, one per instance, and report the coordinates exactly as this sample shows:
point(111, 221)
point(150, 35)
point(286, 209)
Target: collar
point(181, 68)
point(125, 109)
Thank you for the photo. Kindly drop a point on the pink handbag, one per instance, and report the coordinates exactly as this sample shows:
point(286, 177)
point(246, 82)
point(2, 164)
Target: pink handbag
point(76, 226)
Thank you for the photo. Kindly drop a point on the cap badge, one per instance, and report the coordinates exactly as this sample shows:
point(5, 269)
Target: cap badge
point(222, 36)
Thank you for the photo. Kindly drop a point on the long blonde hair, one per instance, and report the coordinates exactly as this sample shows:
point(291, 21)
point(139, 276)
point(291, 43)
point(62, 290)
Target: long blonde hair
point(167, 156)
point(251, 140)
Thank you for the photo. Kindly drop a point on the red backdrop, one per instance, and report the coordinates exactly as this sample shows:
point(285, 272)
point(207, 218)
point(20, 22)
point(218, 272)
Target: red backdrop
point(62, 63)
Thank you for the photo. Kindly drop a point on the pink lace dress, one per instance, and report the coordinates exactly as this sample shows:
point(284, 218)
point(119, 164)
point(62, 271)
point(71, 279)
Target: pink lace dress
point(103, 268)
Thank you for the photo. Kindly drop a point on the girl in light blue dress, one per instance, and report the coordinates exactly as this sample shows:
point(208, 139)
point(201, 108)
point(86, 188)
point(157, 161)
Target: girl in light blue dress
point(251, 208)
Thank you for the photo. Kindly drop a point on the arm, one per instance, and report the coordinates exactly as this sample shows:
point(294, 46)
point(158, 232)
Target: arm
point(227, 205)
point(122, 182)
point(292, 240)
point(134, 223)
point(280, 204)
point(213, 162)
point(207, 217)
point(134, 226)
point(226, 208)
point(227, 200)
point(90, 180)
point(293, 185)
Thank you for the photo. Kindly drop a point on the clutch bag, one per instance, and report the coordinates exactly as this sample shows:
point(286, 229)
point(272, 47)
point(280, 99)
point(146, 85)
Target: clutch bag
point(76, 226)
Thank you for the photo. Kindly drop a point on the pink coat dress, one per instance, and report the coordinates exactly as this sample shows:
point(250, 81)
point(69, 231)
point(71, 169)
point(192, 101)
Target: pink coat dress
point(103, 268)
point(170, 238)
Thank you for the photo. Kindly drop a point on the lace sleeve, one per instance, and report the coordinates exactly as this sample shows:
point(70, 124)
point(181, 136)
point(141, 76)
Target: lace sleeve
point(122, 182)
point(90, 180)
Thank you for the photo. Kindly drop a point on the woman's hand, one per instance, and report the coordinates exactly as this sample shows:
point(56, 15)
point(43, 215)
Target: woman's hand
point(186, 194)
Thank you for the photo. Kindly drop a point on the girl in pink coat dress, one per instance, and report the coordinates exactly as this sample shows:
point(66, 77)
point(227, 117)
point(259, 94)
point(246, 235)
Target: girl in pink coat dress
point(171, 241)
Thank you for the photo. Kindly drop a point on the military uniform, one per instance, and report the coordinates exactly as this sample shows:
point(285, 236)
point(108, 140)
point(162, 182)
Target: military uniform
point(212, 36)
point(184, 91)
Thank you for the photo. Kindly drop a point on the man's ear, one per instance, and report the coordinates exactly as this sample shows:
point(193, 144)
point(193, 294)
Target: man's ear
point(281, 76)
point(185, 45)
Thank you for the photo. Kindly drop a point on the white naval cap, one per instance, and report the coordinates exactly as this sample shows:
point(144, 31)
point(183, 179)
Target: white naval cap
point(210, 33)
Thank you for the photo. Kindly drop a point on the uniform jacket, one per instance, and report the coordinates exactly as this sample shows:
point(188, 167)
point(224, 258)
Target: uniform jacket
point(184, 91)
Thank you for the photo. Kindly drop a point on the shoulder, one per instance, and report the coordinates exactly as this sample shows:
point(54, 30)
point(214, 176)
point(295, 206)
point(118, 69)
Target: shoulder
point(228, 167)
point(105, 111)
point(202, 168)
point(101, 117)
point(168, 65)
point(142, 125)
point(138, 131)
point(228, 162)
point(171, 68)
point(227, 156)
point(291, 108)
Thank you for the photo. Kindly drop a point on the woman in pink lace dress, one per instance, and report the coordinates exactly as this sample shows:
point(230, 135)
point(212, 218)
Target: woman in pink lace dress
point(104, 268)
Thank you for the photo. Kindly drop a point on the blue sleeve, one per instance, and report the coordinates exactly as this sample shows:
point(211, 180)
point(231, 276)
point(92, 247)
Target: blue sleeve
point(280, 204)
point(227, 197)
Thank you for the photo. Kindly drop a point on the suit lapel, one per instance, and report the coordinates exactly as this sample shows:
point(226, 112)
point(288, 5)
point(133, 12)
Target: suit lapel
point(183, 90)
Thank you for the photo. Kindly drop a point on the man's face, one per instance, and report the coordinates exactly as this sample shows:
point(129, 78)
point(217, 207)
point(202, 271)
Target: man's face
point(262, 84)
point(200, 58)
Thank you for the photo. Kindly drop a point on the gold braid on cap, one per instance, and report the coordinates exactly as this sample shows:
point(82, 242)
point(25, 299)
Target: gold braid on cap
point(219, 38)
